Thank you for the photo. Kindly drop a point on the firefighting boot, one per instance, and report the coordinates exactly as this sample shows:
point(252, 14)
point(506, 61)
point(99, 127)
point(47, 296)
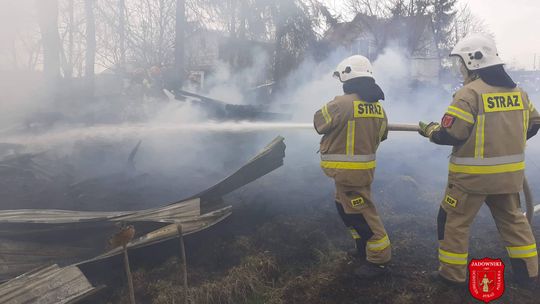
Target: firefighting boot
point(531, 284)
point(527, 283)
point(369, 270)
point(520, 276)
point(359, 252)
point(435, 276)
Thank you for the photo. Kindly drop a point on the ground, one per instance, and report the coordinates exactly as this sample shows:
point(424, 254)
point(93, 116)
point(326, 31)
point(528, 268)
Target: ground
point(267, 255)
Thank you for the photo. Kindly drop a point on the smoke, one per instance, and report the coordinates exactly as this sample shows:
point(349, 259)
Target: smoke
point(410, 170)
point(185, 153)
point(403, 155)
point(229, 83)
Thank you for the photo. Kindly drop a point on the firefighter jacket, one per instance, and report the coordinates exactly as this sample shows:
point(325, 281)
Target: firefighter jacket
point(491, 125)
point(352, 130)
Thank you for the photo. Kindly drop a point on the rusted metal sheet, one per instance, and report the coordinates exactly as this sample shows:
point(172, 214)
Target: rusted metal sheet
point(47, 285)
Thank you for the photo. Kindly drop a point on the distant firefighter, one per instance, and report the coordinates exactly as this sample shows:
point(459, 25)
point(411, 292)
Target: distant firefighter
point(488, 124)
point(353, 125)
point(122, 237)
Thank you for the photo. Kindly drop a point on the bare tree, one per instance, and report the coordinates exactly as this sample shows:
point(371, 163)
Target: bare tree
point(179, 42)
point(370, 7)
point(48, 23)
point(122, 31)
point(90, 46)
point(465, 22)
point(443, 15)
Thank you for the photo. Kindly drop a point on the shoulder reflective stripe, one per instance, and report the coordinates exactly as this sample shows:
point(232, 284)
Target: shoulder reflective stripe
point(487, 169)
point(522, 251)
point(489, 161)
point(479, 143)
point(351, 126)
point(525, 125)
point(453, 258)
point(326, 114)
point(348, 165)
point(348, 158)
point(379, 245)
point(459, 113)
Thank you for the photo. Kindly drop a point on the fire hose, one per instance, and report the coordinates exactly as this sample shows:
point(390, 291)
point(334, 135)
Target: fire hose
point(529, 204)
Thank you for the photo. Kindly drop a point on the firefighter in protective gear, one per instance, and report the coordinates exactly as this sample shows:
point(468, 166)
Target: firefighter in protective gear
point(353, 125)
point(488, 124)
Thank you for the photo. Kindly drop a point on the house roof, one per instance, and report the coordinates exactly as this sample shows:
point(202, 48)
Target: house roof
point(383, 31)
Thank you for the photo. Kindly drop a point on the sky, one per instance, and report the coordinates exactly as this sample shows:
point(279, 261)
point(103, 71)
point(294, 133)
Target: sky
point(515, 25)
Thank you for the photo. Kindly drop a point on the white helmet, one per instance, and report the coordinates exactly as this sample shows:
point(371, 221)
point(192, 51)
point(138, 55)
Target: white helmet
point(477, 51)
point(353, 67)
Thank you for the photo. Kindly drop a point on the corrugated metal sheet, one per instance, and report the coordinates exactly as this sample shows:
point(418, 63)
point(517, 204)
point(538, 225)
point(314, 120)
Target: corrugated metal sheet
point(48, 285)
point(168, 232)
point(73, 242)
point(168, 214)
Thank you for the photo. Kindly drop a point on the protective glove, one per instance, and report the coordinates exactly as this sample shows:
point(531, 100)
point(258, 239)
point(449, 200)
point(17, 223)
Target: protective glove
point(427, 129)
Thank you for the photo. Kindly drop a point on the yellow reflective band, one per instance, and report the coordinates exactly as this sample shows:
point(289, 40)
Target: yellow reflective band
point(483, 136)
point(460, 116)
point(526, 247)
point(351, 126)
point(354, 234)
point(453, 258)
point(520, 252)
point(452, 261)
point(379, 245)
point(459, 113)
point(505, 168)
point(382, 130)
point(479, 140)
point(531, 106)
point(349, 165)
point(326, 115)
point(525, 125)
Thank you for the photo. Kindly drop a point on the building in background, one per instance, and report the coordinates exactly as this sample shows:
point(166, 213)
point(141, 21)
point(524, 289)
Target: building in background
point(370, 36)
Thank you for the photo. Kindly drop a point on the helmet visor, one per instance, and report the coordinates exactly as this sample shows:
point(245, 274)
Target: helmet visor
point(456, 65)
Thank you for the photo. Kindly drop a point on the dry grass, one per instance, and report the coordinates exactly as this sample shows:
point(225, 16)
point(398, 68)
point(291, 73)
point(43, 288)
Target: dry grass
point(254, 276)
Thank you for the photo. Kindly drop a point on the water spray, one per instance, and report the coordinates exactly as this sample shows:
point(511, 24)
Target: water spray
point(233, 127)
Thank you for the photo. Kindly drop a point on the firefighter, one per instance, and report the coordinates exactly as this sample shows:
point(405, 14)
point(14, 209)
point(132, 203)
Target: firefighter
point(488, 124)
point(353, 125)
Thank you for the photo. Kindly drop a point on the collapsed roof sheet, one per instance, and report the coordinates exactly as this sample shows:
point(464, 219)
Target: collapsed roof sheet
point(32, 237)
point(49, 285)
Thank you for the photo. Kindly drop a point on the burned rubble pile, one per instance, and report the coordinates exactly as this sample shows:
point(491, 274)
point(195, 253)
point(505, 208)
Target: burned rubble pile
point(35, 238)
